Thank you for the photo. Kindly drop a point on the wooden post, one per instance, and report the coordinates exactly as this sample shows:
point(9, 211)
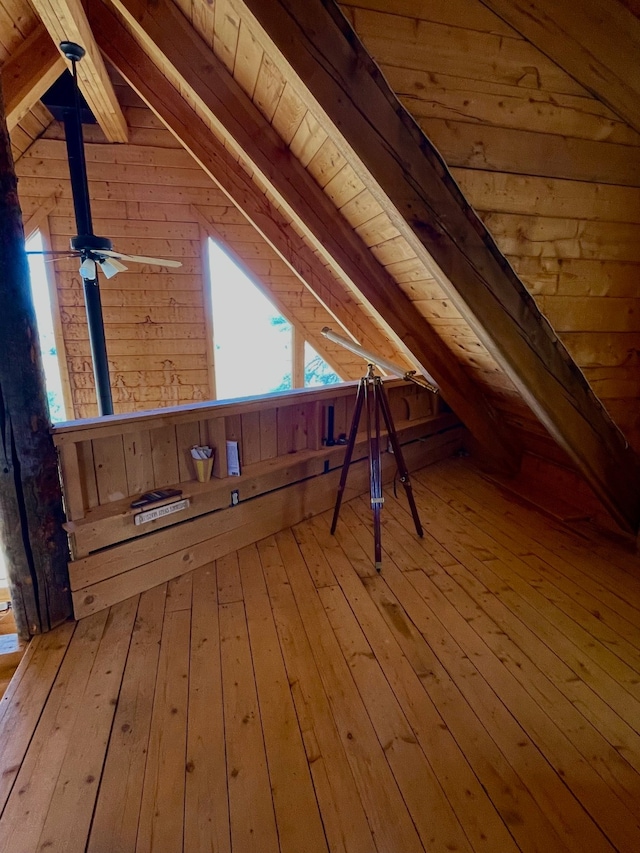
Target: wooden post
point(297, 357)
point(31, 513)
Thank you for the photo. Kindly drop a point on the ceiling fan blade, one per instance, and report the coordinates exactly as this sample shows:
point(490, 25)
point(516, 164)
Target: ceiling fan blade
point(53, 252)
point(111, 266)
point(141, 259)
point(88, 269)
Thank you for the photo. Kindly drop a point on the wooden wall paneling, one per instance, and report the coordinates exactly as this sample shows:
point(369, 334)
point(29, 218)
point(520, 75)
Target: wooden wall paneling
point(300, 426)
point(429, 95)
point(268, 434)
point(88, 474)
point(342, 414)
point(577, 277)
point(138, 462)
point(314, 415)
point(164, 456)
point(285, 427)
point(73, 494)
point(597, 47)
point(217, 437)
point(474, 16)
point(251, 438)
point(110, 468)
point(187, 436)
point(522, 152)
point(531, 236)
point(529, 195)
point(247, 523)
point(459, 52)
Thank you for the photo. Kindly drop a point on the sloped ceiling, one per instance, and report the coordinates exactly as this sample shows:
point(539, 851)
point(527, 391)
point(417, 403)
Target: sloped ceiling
point(280, 103)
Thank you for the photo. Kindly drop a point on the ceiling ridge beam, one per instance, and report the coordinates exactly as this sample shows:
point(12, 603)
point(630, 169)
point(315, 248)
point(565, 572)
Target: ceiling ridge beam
point(66, 20)
point(314, 42)
point(162, 29)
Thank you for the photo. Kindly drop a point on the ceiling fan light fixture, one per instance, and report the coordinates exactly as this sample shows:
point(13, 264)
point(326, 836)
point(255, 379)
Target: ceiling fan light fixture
point(111, 268)
point(88, 269)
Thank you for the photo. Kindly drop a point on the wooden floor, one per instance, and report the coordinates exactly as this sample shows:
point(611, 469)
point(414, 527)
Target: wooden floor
point(482, 693)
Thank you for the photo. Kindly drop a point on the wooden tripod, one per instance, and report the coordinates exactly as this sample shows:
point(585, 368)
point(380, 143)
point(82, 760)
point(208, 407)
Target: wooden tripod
point(371, 392)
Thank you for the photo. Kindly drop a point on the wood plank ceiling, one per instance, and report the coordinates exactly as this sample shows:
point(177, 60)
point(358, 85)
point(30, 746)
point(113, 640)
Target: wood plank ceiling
point(542, 151)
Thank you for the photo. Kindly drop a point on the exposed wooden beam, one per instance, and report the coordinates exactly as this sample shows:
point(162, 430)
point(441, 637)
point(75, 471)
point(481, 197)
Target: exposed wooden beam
point(191, 131)
point(31, 511)
point(315, 43)
point(66, 20)
point(598, 44)
point(172, 43)
point(38, 217)
point(28, 73)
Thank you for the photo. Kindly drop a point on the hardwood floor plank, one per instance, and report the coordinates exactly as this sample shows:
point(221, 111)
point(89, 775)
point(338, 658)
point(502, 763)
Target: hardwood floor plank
point(481, 693)
point(551, 685)
point(604, 807)
point(498, 700)
point(590, 593)
point(26, 810)
point(540, 534)
point(253, 825)
point(514, 584)
point(593, 663)
point(25, 699)
point(435, 821)
point(115, 823)
point(386, 811)
point(229, 584)
point(71, 808)
point(162, 809)
point(206, 820)
point(481, 822)
point(523, 816)
point(343, 814)
point(296, 809)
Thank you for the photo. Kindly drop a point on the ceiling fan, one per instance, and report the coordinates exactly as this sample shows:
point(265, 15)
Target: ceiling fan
point(93, 252)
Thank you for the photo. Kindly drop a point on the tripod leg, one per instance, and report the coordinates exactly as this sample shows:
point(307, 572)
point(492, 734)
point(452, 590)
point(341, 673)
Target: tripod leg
point(400, 463)
point(355, 420)
point(375, 472)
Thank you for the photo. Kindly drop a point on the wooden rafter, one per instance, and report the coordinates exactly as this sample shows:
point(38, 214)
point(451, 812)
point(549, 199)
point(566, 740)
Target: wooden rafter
point(161, 97)
point(66, 20)
point(313, 42)
point(599, 47)
point(172, 42)
point(29, 72)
